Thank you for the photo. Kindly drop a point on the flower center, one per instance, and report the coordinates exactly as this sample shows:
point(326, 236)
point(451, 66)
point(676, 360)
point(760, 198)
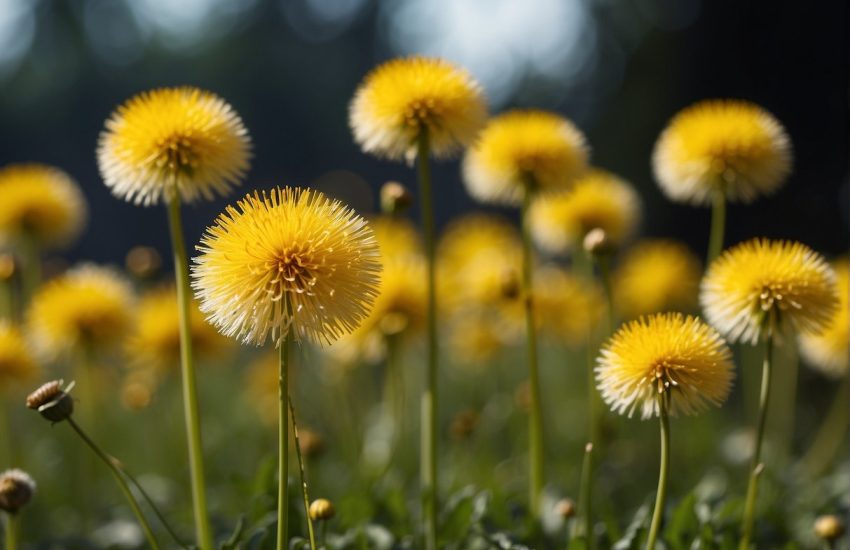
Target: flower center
point(422, 112)
point(662, 374)
point(777, 295)
point(176, 153)
point(295, 271)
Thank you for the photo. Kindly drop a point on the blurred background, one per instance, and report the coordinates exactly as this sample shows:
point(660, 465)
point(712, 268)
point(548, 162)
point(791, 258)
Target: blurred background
point(620, 69)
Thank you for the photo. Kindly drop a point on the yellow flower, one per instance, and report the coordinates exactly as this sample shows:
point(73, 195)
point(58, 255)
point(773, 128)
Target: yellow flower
point(731, 146)
point(475, 339)
point(287, 257)
point(16, 362)
point(828, 349)
point(173, 141)
point(88, 306)
point(664, 356)
point(401, 304)
point(400, 99)
point(568, 308)
point(656, 275)
point(39, 203)
point(155, 338)
point(524, 148)
point(759, 279)
point(598, 199)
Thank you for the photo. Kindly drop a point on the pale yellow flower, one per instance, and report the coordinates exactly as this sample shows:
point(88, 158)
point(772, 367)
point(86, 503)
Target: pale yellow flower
point(828, 349)
point(16, 362)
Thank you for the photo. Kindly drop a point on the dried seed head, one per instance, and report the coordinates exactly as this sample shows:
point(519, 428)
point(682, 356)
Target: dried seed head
point(52, 401)
point(16, 490)
point(395, 198)
point(829, 527)
point(321, 510)
point(565, 508)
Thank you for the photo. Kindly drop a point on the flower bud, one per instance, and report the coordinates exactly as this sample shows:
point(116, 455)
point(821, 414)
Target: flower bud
point(143, 262)
point(395, 198)
point(565, 508)
point(829, 527)
point(321, 510)
point(54, 403)
point(596, 242)
point(16, 490)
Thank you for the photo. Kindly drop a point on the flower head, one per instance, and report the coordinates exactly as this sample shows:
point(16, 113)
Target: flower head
point(762, 280)
point(664, 356)
point(730, 146)
point(16, 362)
point(567, 307)
point(155, 337)
point(597, 200)
point(39, 203)
point(828, 348)
point(287, 257)
point(52, 401)
point(656, 275)
point(520, 149)
point(87, 306)
point(405, 97)
point(16, 490)
point(173, 143)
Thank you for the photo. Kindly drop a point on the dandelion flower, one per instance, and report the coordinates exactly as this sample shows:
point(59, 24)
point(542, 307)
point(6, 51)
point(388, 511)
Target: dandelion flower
point(287, 257)
point(568, 308)
point(16, 362)
point(403, 98)
point(155, 338)
point(759, 279)
point(664, 355)
point(40, 203)
point(656, 275)
point(827, 349)
point(173, 142)
point(597, 200)
point(87, 306)
point(524, 148)
point(730, 146)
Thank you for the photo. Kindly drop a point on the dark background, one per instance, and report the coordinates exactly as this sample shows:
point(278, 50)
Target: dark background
point(290, 68)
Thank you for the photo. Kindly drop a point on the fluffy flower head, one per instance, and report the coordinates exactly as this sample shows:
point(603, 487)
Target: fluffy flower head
point(287, 257)
point(664, 356)
point(405, 97)
point(155, 338)
point(173, 143)
point(568, 308)
point(87, 306)
point(731, 146)
point(39, 203)
point(16, 362)
point(656, 275)
point(828, 349)
point(559, 221)
point(524, 148)
point(760, 280)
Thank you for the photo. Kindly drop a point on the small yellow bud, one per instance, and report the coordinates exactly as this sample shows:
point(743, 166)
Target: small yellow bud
point(322, 509)
point(565, 508)
point(395, 198)
point(829, 527)
point(16, 490)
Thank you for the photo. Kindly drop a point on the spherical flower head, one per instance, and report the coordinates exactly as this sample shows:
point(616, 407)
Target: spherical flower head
point(287, 257)
point(16, 490)
point(173, 144)
point(761, 283)
point(40, 203)
point(828, 348)
point(656, 275)
point(664, 356)
point(405, 98)
point(16, 361)
point(597, 200)
point(537, 150)
point(568, 308)
point(730, 146)
point(154, 340)
point(88, 307)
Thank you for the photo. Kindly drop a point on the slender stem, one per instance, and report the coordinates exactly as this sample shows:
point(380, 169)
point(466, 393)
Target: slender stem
point(187, 369)
point(323, 533)
point(304, 492)
point(393, 398)
point(535, 416)
point(661, 495)
point(604, 263)
point(718, 225)
point(135, 483)
point(7, 447)
point(585, 493)
point(756, 467)
point(12, 528)
point(116, 473)
point(428, 457)
point(831, 435)
point(283, 440)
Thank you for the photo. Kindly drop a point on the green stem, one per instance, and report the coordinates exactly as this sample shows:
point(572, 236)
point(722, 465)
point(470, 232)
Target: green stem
point(135, 483)
point(831, 435)
point(304, 492)
point(604, 263)
point(187, 369)
point(585, 498)
point(756, 466)
point(12, 532)
point(393, 398)
point(428, 458)
point(116, 473)
point(718, 225)
point(283, 440)
point(664, 470)
point(535, 416)
point(323, 534)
